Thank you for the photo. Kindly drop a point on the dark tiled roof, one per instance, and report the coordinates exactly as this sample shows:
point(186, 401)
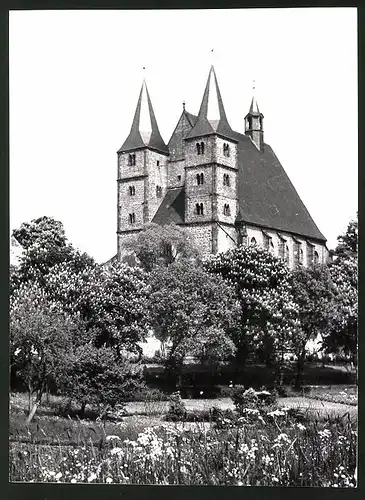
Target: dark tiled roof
point(202, 125)
point(266, 195)
point(172, 208)
point(134, 140)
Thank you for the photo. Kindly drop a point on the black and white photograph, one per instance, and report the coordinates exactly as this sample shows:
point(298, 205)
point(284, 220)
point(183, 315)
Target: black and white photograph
point(183, 297)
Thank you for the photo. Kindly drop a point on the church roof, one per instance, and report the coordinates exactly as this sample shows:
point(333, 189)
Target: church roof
point(144, 131)
point(172, 208)
point(212, 116)
point(266, 195)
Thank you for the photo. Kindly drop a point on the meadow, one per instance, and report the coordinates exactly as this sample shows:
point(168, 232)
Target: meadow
point(299, 440)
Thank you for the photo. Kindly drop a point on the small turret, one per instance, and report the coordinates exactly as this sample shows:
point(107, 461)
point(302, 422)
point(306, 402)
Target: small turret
point(254, 123)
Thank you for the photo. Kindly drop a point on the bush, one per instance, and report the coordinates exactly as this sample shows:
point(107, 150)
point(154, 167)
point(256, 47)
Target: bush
point(177, 410)
point(251, 399)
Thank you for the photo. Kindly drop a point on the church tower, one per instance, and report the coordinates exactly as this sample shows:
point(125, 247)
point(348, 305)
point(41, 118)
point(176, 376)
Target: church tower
point(254, 124)
point(211, 174)
point(142, 171)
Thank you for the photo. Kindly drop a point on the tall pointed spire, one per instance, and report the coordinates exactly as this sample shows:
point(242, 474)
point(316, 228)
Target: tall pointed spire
point(212, 116)
point(144, 131)
point(254, 108)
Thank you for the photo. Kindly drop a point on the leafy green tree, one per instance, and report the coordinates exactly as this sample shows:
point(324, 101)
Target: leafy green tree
point(45, 245)
point(314, 293)
point(99, 378)
point(189, 309)
point(342, 333)
point(111, 302)
point(268, 315)
point(40, 335)
point(161, 245)
point(348, 242)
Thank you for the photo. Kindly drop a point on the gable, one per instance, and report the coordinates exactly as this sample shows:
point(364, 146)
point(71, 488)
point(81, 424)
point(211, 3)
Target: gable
point(176, 144)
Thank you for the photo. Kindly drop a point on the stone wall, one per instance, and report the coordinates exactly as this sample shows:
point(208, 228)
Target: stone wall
point(174, 170)
point(202, 236)
point(198, 193)
point(255, 232)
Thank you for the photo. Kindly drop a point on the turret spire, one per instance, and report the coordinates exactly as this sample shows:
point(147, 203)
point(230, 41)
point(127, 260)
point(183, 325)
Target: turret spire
point(254, 121)
point(212, 116)
point(144, 131)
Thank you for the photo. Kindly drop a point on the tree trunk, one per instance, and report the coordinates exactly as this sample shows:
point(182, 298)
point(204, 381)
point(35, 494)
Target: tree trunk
point(32, 413)
point(82, 410)
point(300, 369)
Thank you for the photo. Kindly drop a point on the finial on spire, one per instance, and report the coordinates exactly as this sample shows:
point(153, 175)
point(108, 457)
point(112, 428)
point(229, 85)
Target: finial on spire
point(212, 54)
point(253, 85)
point(184, 105)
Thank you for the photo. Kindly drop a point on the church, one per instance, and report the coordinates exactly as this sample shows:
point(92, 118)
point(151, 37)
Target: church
point(225, 187)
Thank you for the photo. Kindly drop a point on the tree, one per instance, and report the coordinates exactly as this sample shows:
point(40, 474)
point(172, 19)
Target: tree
point(314, 293)
point(186, 303)
point(96, 376)
point(162, 245)
point(111, 302)
point(40, 335)
point(45, 245)
point(348, 242)
point(268, 314)
point(342, 334)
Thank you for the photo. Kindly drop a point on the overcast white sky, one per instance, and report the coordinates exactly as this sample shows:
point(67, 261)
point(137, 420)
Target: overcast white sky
point(75, 77)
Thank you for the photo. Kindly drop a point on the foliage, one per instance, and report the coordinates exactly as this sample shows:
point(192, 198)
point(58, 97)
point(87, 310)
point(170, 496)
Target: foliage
point(313, 292)
point(158, 245)
point(278, 452)
point(45, 245)
point(348, 242)
point(268, 315)
point(342, 333)
point(96, 376)
point(185, 304)
point(112, 302)
point(40, 335)
point(252, 399)
point(177, 409)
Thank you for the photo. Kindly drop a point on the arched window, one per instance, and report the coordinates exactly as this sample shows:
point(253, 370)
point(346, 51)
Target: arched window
point(200, 179)
point(287, 254)
point(199, 209)
point(271, 247)
point(249, 122)
point(226, 151)
point(158, 191)
point(226, 209)
point(131, 159)
point(316, 257)
point(158, 163)
point(198, 148)
point(132, 190)
point(226, 180)
point(132, 218)
point(300, 256)
point(253, 241)
point(202, 146)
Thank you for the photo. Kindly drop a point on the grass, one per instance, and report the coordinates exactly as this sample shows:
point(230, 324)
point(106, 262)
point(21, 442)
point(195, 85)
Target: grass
point(198, 452)
point(276, 452)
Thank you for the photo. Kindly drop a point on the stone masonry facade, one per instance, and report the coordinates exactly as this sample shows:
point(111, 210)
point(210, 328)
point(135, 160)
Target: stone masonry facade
point(203, 170)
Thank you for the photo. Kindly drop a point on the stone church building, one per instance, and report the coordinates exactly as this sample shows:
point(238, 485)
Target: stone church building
point(225, 187)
